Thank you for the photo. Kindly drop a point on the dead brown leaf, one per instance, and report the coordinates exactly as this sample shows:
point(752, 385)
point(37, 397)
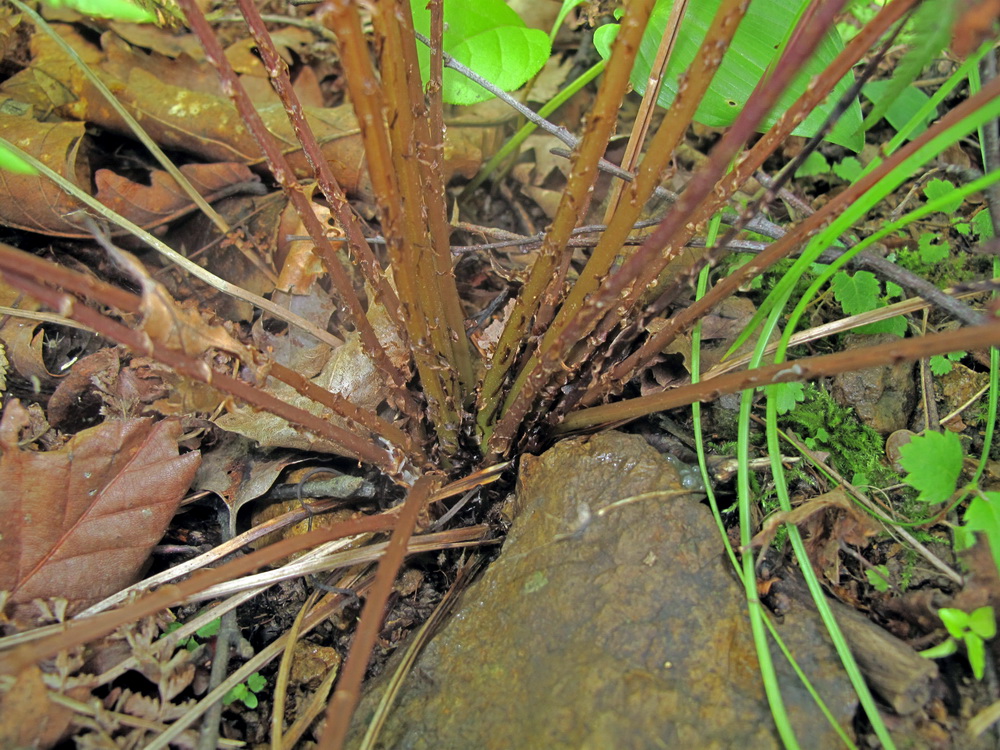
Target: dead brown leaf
point(824, 522)
point(79, 522)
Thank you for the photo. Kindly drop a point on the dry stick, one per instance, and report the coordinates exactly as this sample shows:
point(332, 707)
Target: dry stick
point(623, 288)
point(331, 189)
point(889, 270)
point(552, 261)
point(368, 100)
point(199, 370)
point(970, 337)
point(91, 628)
point(19, 262)
point(283, 173)
point(649, 101)
point(348, 692)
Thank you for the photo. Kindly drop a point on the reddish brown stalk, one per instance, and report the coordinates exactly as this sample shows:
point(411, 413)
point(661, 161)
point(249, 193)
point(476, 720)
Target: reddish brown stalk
point(199, 370)
point(334, 194)
point(784, 246)
point(368, 100)
point(549, 268)
point(621, 291)
point(691, 89)
point(283, 173)
point(908, 350)
point(423, 222)
point(345, 698)
point(88, 629)
point(654, 83)
point(23, 264)
point(430, 149)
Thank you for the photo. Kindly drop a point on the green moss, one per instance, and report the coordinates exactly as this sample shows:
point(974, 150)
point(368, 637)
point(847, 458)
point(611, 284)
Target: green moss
point(856, 450)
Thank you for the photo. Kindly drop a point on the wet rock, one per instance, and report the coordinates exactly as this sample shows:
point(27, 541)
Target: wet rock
point(882, 397)
point(605, 624)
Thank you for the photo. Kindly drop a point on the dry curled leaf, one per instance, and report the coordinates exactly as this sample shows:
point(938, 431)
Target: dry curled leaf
point(824, 521)
point(79, 522)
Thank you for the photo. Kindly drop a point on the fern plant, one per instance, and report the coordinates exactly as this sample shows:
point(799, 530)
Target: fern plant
point(567, 350)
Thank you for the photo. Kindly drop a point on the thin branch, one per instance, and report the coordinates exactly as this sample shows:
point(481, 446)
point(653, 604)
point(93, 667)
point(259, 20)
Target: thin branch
point(907, 350)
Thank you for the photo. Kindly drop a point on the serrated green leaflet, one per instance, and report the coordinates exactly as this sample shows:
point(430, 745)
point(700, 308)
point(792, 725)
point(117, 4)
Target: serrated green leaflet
point(753, 51)
point(488, 37)
point(933, 463)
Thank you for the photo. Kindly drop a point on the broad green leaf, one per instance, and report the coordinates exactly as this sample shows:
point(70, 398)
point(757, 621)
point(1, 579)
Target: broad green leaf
point(209, 629)
point(120, 10)
point(788, 395)
point(814, 164)
point(488, 37)
point(897, 326)
point(976, 652)
point(955, 620)
point(857, 293)
point(983, 623)
point(878, 577)
point(982, 225)
point(901, 109)
point(933, 463)
point(940, 365)
point(941, 650)
point(752, 52)
point(931, 27)
point(256, 682)
point(983, 514)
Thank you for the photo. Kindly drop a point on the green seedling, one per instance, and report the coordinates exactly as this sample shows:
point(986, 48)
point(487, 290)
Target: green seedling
point(942, 364)
point(754, 51)
point(246, 692)
point(973, 629)
point(878, 577)
point(488, 37)
point(209, 630)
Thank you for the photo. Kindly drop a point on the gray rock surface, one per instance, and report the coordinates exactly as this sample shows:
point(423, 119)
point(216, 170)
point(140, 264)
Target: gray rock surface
point(625, 631)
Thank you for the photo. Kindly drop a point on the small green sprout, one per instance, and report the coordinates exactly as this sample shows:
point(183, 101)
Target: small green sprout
point(973, 628)
point(246, 691)
point(209, 630)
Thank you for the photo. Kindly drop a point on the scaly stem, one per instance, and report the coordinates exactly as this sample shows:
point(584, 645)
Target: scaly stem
point(550, 267)
point(285, 176)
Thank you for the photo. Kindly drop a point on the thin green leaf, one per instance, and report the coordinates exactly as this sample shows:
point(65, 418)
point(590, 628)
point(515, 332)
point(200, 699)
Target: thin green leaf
point(119, 10)
point(932, 24)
